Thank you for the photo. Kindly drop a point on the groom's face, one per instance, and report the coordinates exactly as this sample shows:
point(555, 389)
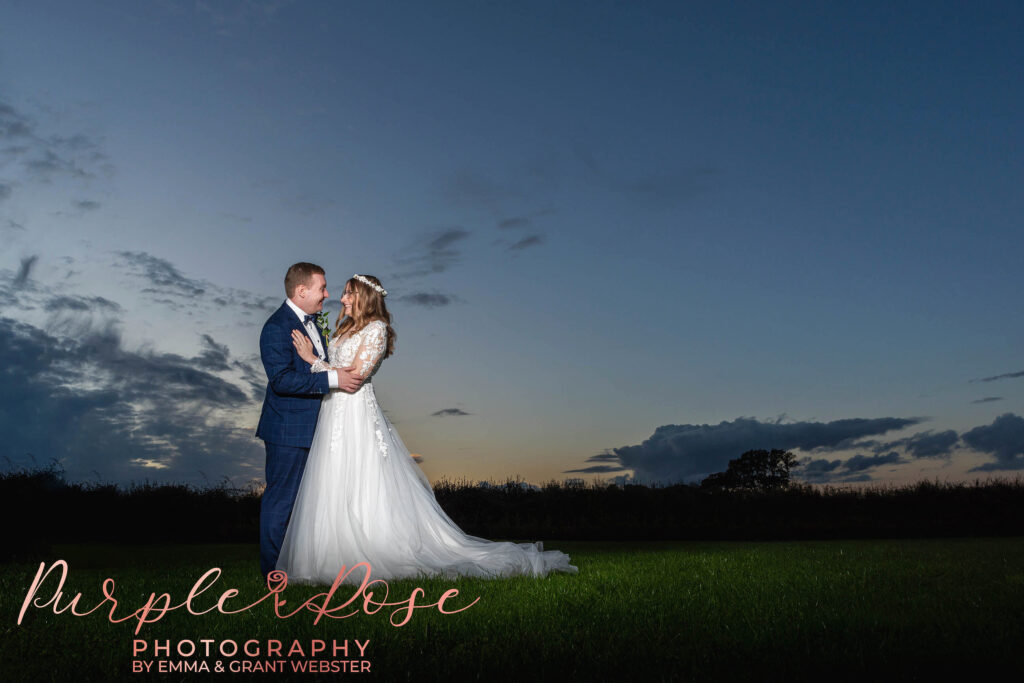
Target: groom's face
point(311, 297)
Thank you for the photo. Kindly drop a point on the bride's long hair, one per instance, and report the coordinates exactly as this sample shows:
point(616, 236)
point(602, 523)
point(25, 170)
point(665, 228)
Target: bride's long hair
point(368, 306)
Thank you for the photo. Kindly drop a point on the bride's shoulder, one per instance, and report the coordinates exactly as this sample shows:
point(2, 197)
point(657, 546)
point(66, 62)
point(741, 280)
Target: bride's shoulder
point(375, 327)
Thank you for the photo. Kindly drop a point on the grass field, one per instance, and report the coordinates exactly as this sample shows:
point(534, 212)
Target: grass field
point(823, 610)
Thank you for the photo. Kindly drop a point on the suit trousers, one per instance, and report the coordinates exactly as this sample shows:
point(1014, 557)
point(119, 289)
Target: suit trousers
point(284, 474)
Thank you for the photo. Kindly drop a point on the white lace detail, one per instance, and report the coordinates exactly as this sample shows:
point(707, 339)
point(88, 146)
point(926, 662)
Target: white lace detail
point(363, 349)
point(371, 405)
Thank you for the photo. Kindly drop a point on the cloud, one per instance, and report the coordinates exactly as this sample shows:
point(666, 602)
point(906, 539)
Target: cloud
point(71, 302)
point(214, 356)
point(597, 468)
point(859, 463)
point(86, 204)
point(45, 157)
point(13, 124)
point(428, 299)
point(988, 399)
point(164, 279)
point(529, 241)
point(449, 412)
point(819, 467)
point(24, 271)
point(691, 452)
point(1004, 439)
point(926, 444)
point(433, 253)
point(854, 469)
point(92, 404)
point(607, 456)
point(253, 375)
point(1008, 375)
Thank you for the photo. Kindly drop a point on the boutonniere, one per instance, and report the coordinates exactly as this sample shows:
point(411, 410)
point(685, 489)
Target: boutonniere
point(322, 323)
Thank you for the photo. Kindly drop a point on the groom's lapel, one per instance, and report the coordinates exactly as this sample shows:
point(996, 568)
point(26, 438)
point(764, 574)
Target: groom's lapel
point(324, 341)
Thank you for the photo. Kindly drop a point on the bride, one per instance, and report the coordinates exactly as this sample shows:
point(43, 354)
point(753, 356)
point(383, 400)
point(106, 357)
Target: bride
point(362, 498)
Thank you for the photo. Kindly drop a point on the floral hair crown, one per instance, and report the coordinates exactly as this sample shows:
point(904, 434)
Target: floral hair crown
point(366, 281)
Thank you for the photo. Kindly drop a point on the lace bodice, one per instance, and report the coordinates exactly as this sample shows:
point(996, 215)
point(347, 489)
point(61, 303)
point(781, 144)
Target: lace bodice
point(363, 349)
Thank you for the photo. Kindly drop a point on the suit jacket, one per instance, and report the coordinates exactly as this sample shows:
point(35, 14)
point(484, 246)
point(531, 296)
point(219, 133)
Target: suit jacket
point(292, 402)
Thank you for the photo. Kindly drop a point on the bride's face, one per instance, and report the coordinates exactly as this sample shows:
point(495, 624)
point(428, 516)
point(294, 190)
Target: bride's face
point(348, 300)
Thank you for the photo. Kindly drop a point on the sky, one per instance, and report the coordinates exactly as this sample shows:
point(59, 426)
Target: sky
point(622, 241)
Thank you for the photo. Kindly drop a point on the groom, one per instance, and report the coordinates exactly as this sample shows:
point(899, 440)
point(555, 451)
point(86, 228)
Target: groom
point(292, 403)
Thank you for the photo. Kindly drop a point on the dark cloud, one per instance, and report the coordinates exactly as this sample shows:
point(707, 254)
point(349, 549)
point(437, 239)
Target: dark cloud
point(529, 241)
point(24, 271)
point(427, 299)
point(1004, 439)
point(431, 254)
point(603, 457)
point(253, 375)
point(46, 157)
point(213, 356)
point(86, 204)
point(819, 471)
point(597, 468)
point(926, 444)
point(164, 279)
point(819, 467)
point(988, 399)
point(859, 463)
point(13, 124)
point(691, 452)
point(49, 164)
point(449, 412)
point(252, 304)
point(91, 404)
point(5, 191)
point(66, 302)
point(1008, 375)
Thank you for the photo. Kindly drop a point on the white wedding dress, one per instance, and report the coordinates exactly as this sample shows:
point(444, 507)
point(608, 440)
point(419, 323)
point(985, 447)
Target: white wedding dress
point(363, 499)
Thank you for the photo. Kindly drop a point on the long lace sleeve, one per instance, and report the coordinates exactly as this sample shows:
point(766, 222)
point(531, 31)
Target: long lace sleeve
point(371, 347)
point(319, 365)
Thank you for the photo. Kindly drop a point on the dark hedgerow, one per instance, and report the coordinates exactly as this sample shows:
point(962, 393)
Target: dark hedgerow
point(45, 509)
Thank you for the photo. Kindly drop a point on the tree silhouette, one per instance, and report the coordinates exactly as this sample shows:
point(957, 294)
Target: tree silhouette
point(758, 469)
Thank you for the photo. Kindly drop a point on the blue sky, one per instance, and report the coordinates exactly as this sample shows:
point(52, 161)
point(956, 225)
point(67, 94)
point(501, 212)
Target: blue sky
point(626, 239)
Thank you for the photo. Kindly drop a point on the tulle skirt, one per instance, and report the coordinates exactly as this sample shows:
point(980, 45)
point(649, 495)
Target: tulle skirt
point(363, 499)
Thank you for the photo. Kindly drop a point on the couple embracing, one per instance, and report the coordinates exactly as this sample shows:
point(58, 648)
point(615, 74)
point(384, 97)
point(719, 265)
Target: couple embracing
point(341, 486)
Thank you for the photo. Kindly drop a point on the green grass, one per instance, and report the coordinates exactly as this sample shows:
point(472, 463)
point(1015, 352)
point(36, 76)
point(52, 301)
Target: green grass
point(866, 609)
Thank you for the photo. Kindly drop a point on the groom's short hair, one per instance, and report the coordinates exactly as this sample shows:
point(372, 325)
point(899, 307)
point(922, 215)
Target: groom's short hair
point(300, 274)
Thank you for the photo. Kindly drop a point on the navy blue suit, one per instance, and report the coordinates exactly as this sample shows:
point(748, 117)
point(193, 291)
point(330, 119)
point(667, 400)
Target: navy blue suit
point(290, 412)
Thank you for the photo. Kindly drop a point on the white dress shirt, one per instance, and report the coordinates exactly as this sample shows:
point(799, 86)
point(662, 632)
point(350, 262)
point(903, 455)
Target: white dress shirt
point(318, 344)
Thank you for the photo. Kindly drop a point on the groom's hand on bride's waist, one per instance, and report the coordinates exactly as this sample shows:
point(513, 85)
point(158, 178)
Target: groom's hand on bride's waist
point(348, 379)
